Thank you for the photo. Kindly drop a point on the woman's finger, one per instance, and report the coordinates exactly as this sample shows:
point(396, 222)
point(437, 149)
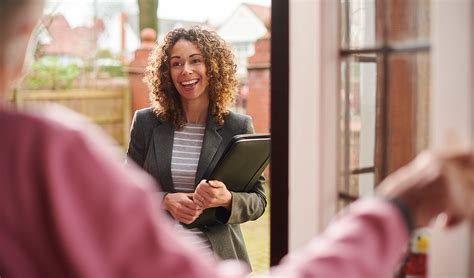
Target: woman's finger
point(198, 200)
point(216, 184)
point(206, 192)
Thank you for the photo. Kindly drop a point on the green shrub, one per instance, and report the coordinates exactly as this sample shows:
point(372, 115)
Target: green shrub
point(113, 71)
point(60, 72)
point(52, 72)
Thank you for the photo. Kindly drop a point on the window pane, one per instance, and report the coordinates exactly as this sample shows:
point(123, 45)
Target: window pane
point(358, 103)
point(343, 126)
point(358, 23)
point(366, 184)
point(364, 77)
point(359, 108)
point(408, 98)
point(408, 20)
point(360, 185)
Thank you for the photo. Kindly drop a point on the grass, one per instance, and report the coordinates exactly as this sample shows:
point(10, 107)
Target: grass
point(257, 239)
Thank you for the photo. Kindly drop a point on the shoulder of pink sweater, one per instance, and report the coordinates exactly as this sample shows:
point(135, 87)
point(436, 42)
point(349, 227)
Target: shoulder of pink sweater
point(55, 124)
point(50, 127)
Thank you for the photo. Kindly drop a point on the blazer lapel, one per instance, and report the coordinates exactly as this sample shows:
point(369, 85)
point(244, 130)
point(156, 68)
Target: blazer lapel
point(163, 136)
point(212, 140)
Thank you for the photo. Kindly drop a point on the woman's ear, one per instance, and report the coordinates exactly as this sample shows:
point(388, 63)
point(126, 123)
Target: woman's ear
point(18, 52)
point(26, 28)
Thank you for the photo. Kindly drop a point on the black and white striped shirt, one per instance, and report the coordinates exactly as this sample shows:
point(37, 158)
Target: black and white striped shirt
point(187, 146)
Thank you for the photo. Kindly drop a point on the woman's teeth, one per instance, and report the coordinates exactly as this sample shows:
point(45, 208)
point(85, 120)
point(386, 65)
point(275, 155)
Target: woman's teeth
point(189, 82)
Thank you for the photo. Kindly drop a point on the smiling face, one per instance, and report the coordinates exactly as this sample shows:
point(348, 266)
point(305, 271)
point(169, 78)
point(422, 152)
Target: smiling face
point(188, 72)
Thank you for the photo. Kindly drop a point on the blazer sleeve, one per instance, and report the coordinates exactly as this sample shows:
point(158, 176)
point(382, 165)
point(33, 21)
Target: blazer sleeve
point(248, 205)
point(136, 147)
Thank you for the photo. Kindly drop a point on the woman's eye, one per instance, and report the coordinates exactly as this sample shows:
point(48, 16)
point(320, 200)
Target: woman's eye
point(175, 64)
point(195, 61)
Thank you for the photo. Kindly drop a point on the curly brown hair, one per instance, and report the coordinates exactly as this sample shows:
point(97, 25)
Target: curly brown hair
point(220, 69)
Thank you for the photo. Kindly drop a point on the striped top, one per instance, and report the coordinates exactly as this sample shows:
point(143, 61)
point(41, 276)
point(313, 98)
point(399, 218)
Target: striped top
point(186, 150)
point(187, 146)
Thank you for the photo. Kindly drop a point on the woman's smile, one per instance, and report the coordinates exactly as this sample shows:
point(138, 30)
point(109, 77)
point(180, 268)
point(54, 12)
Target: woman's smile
point(189, 84)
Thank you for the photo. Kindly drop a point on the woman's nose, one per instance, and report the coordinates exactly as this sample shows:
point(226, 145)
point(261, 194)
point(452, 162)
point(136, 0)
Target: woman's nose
point(186, 68)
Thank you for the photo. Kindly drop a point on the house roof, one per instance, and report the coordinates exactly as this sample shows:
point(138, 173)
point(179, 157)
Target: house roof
point(64, 40)
point(262, 12)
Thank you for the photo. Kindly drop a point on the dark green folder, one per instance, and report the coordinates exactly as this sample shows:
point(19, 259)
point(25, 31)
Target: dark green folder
point(243, 162)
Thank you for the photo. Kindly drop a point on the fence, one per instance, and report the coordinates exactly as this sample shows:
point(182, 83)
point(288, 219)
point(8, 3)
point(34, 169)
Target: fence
point(110, 109)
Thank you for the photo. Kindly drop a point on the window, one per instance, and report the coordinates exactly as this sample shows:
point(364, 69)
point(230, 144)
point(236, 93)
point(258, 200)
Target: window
point(384, 87)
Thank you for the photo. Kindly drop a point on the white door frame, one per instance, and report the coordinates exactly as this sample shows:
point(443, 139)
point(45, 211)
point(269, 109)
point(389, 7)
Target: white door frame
point(313, 117)
point(452, 118)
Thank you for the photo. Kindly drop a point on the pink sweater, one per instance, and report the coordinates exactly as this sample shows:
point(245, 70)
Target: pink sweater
point(68, 208)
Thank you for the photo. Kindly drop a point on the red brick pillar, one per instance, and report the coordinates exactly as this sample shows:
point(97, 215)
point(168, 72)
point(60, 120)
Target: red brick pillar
point(138, 89)
point(258, 103)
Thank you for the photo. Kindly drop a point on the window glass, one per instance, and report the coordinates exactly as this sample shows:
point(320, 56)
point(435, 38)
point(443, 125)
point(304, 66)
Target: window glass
point(358, 100)
point(362, 100)
point(358, 24)
point(366, 184)
point(384, 89)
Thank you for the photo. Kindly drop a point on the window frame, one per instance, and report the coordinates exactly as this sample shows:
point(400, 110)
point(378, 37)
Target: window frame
point(386, 102)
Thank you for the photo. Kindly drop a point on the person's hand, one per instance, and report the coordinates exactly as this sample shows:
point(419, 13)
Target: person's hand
point(181, 207)
point(212, 194)
point(433, 184)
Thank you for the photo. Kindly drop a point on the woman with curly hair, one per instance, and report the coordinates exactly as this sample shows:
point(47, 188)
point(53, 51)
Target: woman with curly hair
point(191, 77)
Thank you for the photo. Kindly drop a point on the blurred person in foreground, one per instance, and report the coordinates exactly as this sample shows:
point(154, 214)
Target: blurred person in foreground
point(69, 209)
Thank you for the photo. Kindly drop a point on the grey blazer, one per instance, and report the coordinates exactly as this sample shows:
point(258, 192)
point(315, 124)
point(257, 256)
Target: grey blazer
point(151, 143)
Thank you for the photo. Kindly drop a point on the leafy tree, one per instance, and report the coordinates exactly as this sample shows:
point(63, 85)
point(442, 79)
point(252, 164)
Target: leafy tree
point(148, 14)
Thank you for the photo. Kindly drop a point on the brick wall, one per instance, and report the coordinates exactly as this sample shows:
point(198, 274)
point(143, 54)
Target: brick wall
point(258, 103)
point(138, 89)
